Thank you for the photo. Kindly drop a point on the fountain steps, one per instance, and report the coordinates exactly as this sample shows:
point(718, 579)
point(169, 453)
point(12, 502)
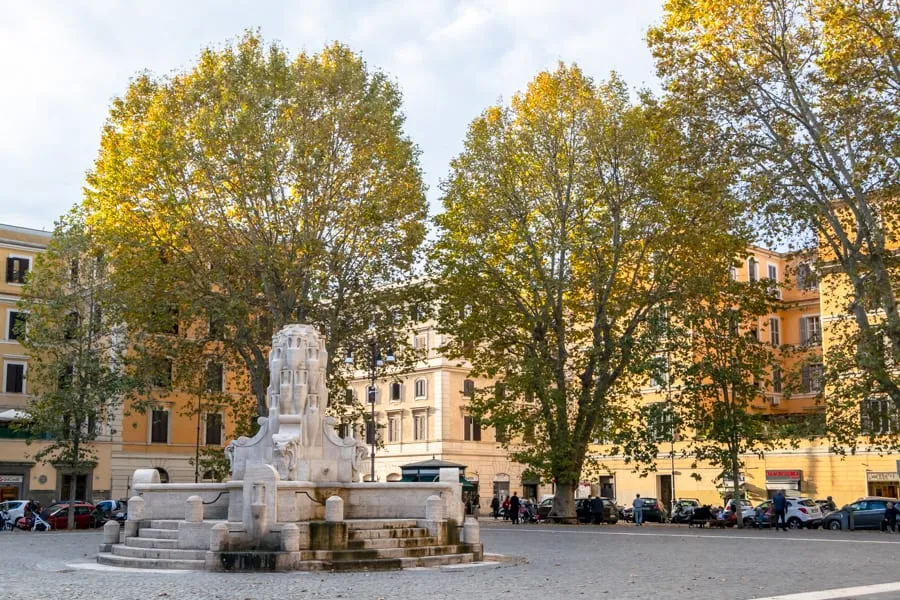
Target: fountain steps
point(158, 534)
point(163, 524)
point(381, 553)
point(115, 560)
point(380, 524)
point(165, 553)
point(397, 532)
point(396, 542)
point(148, 542)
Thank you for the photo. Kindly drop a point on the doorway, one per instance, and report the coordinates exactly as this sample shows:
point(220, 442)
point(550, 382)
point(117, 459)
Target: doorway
point(664, 490)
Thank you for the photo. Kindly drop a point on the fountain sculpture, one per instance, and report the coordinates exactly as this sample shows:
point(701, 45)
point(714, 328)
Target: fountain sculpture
point(294, 500)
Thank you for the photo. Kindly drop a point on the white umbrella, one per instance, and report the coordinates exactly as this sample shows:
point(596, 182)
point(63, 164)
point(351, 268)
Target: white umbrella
point(13, 415)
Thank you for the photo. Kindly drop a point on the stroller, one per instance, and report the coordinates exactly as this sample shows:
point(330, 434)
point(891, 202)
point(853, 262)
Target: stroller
point(32, 520)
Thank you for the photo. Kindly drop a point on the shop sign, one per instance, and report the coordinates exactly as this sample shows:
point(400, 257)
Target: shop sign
point(882, 476)
point(784, 474)
point(11, 479)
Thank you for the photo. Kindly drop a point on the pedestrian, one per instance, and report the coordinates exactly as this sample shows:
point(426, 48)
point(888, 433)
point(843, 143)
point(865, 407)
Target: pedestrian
point(779, 508)
point(495, 506)
point(476, 504)
point(638, 506)
point(890, 518)
point(514, 505)
point(506, 508)
point(597, 510)
point(830, 505)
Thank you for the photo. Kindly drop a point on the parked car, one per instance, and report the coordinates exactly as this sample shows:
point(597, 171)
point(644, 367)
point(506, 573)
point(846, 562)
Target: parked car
point(748, 513)
point(584, 510)
point(801, 512)
point(653, 511)
point(109, 508)
point(14, 508)
point(867, 514)
point(86, 516)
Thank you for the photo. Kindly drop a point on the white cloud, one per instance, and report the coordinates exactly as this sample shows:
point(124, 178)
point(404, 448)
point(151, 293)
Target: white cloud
point(62, 62)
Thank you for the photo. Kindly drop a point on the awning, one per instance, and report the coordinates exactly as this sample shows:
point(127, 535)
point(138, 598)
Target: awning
point(467, 485)
point(13, 415)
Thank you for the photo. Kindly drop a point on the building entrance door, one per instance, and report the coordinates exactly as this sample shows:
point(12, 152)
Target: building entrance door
point(664, 491)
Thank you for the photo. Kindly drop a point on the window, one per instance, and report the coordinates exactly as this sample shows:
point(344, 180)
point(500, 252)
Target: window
point(752, 269)
point(216, 328)
point(500, 434)
point(14, 377)
point(879, 416)
point(811, 378)
point(396, 392)
point(810, 331)
point(806, 278)
point(161, 375)
point(776, 379)
point(659, 372)
point(164, 319)
point(472, 427)
point(215, 377)
point(420, 427)
point(159, 427)
point(16, 268)
point(775, 331)
point(15, 325)
point(421, 388)
point(773, 281)
point(420, 341)
point(214, 429)
point(469, 388)
point(72, 324)
point(393, 429)
point(733, 273)
point(658, 417)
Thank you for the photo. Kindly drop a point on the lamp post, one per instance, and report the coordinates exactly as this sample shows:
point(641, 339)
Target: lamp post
point(375, 362)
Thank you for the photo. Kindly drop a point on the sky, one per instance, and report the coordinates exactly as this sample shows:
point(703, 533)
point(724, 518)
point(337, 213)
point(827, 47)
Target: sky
point(62, 62)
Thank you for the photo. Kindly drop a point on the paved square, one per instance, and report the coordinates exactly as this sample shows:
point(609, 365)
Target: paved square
point(563, 562)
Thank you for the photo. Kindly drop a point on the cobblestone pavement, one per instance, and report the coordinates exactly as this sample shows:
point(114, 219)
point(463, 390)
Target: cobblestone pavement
point(563, 562)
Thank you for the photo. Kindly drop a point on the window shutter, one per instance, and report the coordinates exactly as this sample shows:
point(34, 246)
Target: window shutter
point(476, 430)
point(804, 330)
point(10, 269)
point(805, 379)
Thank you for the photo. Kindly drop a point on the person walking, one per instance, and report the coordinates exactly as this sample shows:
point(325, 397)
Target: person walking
point(890, 518)
point(597, 510)
point(495, 506)
point(779, 507)
point(514, 504)
point(506, 508)
point(638, 506)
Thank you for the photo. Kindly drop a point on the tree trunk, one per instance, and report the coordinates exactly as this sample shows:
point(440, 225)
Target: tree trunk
point(73, 487)
point(564, 504)
point(736, 482)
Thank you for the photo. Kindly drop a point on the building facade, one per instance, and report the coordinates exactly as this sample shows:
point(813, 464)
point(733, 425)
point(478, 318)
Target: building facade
point(20, 475)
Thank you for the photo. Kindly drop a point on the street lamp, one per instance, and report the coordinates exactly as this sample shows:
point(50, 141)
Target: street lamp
point(375, 362)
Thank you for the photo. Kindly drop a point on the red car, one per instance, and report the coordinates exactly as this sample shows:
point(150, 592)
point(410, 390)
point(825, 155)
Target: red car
point(85, 516)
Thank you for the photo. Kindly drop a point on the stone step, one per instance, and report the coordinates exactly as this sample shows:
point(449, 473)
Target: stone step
point(167, 553)
point(399, 532)
point(437, 561)
point(164, 524)
point(399, 542)
point(378, 553)
point(159, 534)
point(142, 542)
point(380, 523)
point(371, 564)
point(105, 558)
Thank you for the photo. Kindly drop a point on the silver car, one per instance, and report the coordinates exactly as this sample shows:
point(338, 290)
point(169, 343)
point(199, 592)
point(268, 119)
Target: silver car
point(14, 508)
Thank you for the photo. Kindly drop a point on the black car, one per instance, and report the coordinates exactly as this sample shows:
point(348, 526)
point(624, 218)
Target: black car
point(653, 511)
point(584, 510)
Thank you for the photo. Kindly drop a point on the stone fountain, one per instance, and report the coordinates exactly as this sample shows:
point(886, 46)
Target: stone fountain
point(295, 500)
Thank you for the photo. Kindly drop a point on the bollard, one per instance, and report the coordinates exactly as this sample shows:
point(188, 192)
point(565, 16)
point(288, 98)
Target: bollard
point(193, 510)
point(290, 537)
point(218, 538)
point(334, 509)
point(434, 509)
point(111, 532)
point(135, 508)
point(471, 531)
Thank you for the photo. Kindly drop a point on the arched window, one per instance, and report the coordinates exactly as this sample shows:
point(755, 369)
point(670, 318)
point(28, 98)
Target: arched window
point(421, 389)
point(163, 475)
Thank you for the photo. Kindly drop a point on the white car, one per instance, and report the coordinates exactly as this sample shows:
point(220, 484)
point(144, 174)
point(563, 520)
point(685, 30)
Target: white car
point(747, 510)
point(801, 512)
point(14, 508)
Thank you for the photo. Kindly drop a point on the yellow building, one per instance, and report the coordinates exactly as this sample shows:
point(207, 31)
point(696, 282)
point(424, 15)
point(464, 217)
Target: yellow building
point(20, 475)
point(424, 414)
point(813, 469)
